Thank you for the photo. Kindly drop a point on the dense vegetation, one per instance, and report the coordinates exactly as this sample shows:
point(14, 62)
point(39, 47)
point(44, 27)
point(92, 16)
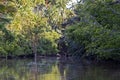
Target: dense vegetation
point(97, 34)
point(36, 26)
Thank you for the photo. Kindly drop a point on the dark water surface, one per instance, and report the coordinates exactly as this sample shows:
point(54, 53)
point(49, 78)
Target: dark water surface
point(56, 69)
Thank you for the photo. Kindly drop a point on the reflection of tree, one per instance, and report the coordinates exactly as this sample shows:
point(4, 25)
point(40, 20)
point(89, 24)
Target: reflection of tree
point(34, 72)
point(70, 69)
point(41, 68)
point(75, 72)
point(62, 66)
point(13, 70)
point(47, 69)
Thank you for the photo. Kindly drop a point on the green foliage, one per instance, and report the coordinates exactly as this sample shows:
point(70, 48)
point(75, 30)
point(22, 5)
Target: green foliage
point(98, 29)
point(7, 10)
point(32, 29)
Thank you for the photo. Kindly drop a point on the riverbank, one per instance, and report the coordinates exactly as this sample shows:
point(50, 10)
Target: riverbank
point(74, 58)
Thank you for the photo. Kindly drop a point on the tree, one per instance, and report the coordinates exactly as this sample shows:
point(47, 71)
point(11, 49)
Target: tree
point(98, 29)
point(35, 26)
point(36, 29)
point(7, 11)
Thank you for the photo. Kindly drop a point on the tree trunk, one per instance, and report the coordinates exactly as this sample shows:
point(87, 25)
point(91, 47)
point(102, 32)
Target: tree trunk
point(34, 46)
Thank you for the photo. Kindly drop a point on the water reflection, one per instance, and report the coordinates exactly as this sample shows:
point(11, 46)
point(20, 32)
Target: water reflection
point(56, 69)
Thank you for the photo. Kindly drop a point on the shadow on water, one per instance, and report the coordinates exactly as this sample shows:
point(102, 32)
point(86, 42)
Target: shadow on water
point(51, 68)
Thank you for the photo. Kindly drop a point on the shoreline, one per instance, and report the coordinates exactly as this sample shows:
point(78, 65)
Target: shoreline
point(90, 61)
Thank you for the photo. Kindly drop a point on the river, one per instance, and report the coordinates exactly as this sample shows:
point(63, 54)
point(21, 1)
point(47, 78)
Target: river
point(51, 68)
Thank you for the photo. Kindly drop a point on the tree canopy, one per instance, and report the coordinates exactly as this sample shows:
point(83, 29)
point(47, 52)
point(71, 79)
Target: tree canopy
point(89, 28)
point(98, 29)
